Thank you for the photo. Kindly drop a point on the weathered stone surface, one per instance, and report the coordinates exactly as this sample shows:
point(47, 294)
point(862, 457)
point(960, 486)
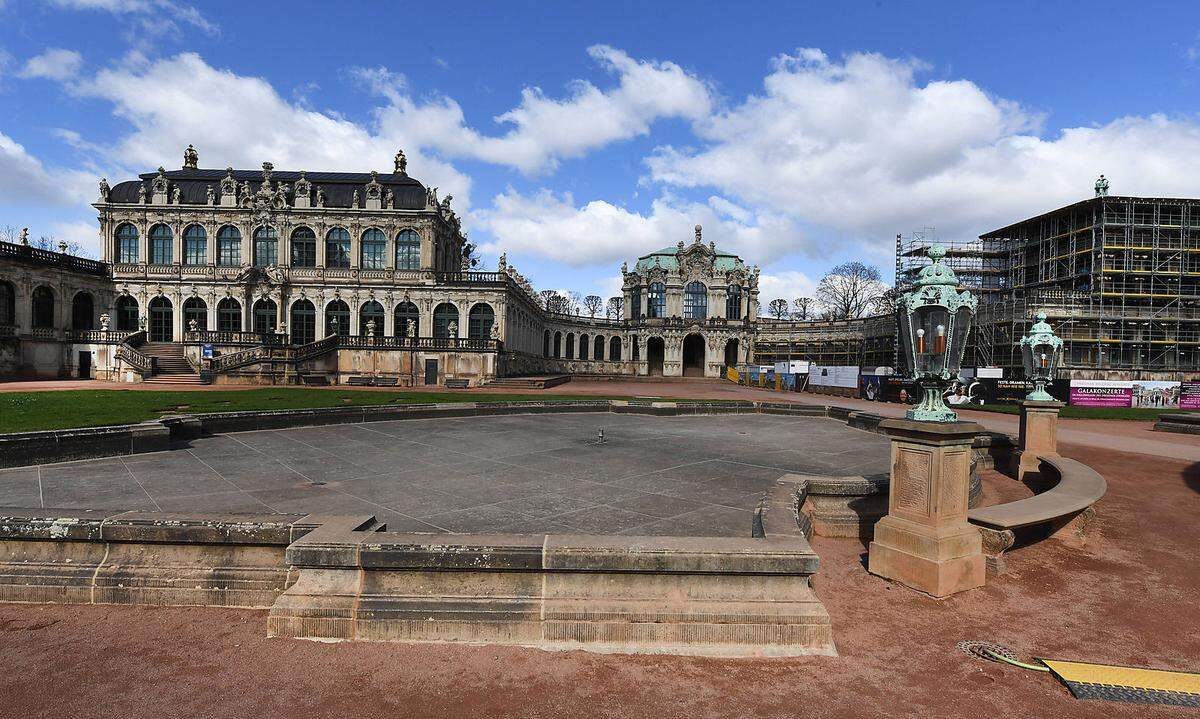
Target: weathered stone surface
point(1038, 436)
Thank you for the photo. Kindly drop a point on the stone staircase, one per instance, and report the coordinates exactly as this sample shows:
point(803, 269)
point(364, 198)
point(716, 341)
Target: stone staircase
point(540, 382)
point(170, 365)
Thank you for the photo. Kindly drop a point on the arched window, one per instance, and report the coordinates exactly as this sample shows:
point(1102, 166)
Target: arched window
point(373, 250)
point(82, 308)
point(304, 247)
point(570, 345)
point(695, 301)
point(229, 315)
point(127, 244)
point(162, 320)
point(546, 344)
point(598, 349)
point(43, 307)
point(633, 347)
point(733, 302)
point(8, 304)
point(229, 246)
point(337, 318)
point(160, 245)
point(584, 346)
point(408, 250)
point(195, 245)
point(657, 306)
point(370, 311)
point(404, 312)
point(265, 313)
point(337, 248)
point(479, 321)
point(266, 246)
point(557, 345)
point(614, 349)
point(195, 308)
point(635, 304)
point(304, 322)
point(443, 315)
point(127, 314)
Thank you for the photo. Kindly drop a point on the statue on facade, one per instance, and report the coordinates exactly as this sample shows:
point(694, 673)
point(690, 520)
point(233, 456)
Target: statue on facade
point(192, 325)
point(104, 320)
point(410, 329)
point(354, 201)
point(502, 265)
point(245, 188)
point(401, 163)
point(371, 328)
point(142, 323)
point(1102, 187)
point(176, 195)
point(389, 198)
point(465, 265)
point(210, 196)
point(452, 329)
point(25, 236)
point(494, 332)
point(320, 197)
point(141, 194)
point(104, 189)
point(191, 158)
point(624, 268)
point(699, 231)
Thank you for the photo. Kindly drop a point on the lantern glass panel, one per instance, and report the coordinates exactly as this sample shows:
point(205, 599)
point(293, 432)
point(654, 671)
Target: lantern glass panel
point(1027, 355)
point(958, 340)
point(1043, 360)
point(906, 340)
point(932, 327)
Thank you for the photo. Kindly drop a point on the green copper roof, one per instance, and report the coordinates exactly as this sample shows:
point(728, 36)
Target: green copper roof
point(667, 260)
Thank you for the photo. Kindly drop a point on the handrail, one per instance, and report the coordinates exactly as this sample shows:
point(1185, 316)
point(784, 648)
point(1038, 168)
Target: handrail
point(128, 352)
point(226, 362)
point(222, 337)
point(39, 256)
point(108, 337)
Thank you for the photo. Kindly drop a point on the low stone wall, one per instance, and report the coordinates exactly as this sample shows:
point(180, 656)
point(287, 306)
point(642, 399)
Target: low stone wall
point(1182, 423)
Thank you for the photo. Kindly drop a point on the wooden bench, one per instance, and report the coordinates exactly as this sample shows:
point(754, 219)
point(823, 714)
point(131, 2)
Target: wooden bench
point(453, 383)
point(368, 381)
point(1064, 510)
point(314, 379)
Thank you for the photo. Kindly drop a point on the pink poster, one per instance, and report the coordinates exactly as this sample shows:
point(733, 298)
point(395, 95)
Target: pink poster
point(1101, 393)
point(1189, 395)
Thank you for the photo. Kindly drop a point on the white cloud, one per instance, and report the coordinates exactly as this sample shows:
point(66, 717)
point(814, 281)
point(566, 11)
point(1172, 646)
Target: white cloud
point(786, 284)
point(242, 121)
point(862, 147)
point(552, 226)
point(54, 64)
point(157, 17)
point(546, 130)
point(24, 178)
point(85, 234)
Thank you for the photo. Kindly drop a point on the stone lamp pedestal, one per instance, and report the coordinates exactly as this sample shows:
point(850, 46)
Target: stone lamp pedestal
point(925, 542)
point(1039, 435)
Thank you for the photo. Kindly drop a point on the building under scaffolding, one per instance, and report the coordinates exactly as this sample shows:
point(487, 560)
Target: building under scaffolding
point(981, 265)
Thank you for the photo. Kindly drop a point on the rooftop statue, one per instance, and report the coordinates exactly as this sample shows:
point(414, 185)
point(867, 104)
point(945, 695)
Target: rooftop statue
point(1102, 187)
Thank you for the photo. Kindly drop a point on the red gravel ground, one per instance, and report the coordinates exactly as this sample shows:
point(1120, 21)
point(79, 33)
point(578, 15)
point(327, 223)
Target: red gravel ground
point(1129, 598)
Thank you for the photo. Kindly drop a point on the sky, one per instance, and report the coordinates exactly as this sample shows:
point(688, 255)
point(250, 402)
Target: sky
point(575, 136)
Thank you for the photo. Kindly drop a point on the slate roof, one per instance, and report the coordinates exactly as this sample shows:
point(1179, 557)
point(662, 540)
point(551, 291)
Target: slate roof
point(339, 187)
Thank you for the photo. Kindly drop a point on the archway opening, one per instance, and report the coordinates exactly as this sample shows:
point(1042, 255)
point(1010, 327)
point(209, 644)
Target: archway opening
point(162, 317)
point(731, 353)
point(655, 352)
point(693, 356)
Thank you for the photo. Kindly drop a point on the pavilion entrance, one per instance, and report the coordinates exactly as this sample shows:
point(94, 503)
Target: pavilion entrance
point(162, 320)
point(655, 353)
point(693, 355)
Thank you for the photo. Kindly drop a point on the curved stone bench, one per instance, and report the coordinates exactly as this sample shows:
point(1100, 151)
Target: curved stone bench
point(1064, 510)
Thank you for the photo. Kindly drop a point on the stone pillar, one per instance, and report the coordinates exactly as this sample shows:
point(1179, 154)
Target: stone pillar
point(925, 542)
point(1039, 436)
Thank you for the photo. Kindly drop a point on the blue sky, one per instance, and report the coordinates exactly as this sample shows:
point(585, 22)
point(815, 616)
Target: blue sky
point(577, 135)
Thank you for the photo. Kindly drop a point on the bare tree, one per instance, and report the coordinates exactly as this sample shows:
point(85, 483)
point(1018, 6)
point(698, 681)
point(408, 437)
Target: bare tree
point(10, 233)
point(573, 302)
point(801, 307)
point(616, 307)
point(549, 299)
point(886, 303)
point(778, 308)
point(593, 304)
point(850, 290)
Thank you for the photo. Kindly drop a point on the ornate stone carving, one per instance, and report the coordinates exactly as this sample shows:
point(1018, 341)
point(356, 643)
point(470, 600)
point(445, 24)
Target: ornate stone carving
point(191, 158)
point(401, 163)
point(104, 189)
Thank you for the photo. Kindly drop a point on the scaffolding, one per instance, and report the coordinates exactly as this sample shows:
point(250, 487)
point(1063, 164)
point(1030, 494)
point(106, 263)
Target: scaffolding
point(981, 265)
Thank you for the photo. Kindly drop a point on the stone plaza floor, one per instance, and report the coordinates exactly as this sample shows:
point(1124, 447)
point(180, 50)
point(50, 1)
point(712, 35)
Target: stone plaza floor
point(516, 474)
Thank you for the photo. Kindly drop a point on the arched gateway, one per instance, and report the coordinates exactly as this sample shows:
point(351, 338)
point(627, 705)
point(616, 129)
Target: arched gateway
point(693, 355)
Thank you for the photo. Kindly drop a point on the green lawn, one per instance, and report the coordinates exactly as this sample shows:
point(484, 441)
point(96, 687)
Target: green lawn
point(1139, 413)
point(32, 411)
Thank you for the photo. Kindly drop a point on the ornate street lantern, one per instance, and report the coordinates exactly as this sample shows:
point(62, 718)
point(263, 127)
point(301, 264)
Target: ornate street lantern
point(1041, 350)
point(934, 319)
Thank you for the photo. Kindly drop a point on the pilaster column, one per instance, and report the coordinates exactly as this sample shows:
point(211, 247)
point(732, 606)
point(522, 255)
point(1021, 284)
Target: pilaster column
point(925, 542)
point(1038, 436)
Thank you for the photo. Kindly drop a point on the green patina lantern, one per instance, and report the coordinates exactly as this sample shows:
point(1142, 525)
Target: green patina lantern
point(1040, 351)
point(934, 320)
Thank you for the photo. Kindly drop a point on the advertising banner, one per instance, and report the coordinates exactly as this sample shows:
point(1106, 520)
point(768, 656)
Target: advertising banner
point(834, 376)
point(870, 387)
point(988, 390)
point(1189, 394)
point(899, 389)
point(1155, 394)
point(1101, 393)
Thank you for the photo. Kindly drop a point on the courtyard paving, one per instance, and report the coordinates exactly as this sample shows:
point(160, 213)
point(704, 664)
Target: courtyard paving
point(672, 476)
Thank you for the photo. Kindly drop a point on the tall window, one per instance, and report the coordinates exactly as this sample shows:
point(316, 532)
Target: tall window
point(374, 250)
point(160, 245)
point(370, 311)
point(635, 304)
point(479, 321)
point(695, 301)
point(657, 305)
point(406, 311)
point(337, 319)
point(8, 304)
point(614, 349)
point(265, 314)
point(337, 248)
point(195, 245)
point(229, 315)
point(443, 315)
point(43, 307)
point(194, 308)
point(229, 246)
point(304, 322)
point(733, 302)
point(82, 311)
point(127, 244)
point(408, 250)
point(266, 246)
point(598, 348)
point(127, 314)
point(304, 248)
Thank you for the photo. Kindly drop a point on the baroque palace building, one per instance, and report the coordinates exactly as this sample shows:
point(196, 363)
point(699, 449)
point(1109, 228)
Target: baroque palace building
point(289, 276)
